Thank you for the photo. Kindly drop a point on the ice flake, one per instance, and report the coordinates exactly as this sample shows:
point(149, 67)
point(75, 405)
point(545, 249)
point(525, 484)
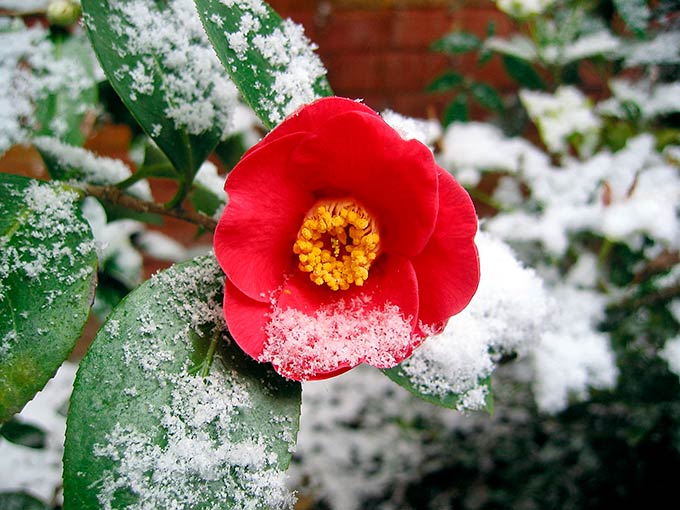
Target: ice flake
point(469, 148)
point(671, 354)
point(88, 168)
point(560, 115)
point(204, 437)
point(29, 72)
point(652, 100)
point(572, 356)
point(523, 8)
point(425, 131)
point(198, 95)
point(338, 335)
point(507, 314)
point(662, 49)
point(50, 216)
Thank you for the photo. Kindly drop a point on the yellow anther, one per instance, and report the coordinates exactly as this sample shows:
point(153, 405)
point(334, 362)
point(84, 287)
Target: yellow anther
point(328, 227)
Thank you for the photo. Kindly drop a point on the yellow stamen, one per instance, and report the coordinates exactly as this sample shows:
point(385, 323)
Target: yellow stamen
point(328, 227)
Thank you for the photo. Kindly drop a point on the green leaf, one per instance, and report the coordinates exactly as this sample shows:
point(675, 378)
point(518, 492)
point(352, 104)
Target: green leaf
point(457, 42)
point(635, 14)
point(487, 96)
point(457, 110)
point(21, 501)
point(270, 60)
point(23, 434)
point(450, 400)
point(61, 112)
point(166, 412)
point(522, 72)
point(205, 200)
point(161, 64)
point(445, 82)
point(47, 278)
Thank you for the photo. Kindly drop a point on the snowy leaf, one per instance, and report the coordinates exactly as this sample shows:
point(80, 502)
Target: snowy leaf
point(447, 81)
point(65, 162)
point(487, 96)
point(635, 14)
point(63, 104)
point(522, 72)
point(167, 413)
point(47, 274)
point(457, 110)
point(457, 42)
point(450, 400)
point(161, 64)
point(271, 60)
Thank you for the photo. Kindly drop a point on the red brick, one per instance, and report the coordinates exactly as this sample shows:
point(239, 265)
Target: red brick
point(411, 70)
point(353, 72)
point(354, 31)
point(417, 28)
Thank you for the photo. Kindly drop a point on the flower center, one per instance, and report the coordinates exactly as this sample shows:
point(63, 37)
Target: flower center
point(337, 243)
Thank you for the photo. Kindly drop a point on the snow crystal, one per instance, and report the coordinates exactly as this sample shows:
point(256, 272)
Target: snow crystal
point(572, 356)
point(296, 68)
point(652, 100)
point(671, 353)
point(517, 46)
point(560, 115)
point(425, 131)
point(353, 442)
point(38, 471)
point(662, 49)
point(29, 72)
point(17, 87)
point(191, 455)
point(50, 218)
point(337, 335)
point(204, 437)
point(291, 67)
point(523, 8)
point(644, 189)
point(474, 146)
point(198, 95)
point(598, 43)
point(507, 314)
point(84, 166)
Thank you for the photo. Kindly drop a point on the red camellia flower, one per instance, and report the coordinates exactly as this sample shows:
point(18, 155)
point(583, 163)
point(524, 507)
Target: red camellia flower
point(342, 244)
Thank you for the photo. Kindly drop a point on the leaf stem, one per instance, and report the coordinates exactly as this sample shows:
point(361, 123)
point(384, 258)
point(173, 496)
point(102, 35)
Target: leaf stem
point(114, 195)
point(210, 355)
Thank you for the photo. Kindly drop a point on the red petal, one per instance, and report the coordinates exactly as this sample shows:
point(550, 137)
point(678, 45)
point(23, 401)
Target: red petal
point(448, 267)
point(254, 238)
point(356, 333)
point(310, 117)
point(246, 319)
point(358, 155)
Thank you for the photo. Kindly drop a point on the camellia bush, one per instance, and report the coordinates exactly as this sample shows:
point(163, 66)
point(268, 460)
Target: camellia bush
point(344, 240)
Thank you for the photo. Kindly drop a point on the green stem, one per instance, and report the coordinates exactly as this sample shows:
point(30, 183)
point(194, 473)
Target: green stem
point(210, 355)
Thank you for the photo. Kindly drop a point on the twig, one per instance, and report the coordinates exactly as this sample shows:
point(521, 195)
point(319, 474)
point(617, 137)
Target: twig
point(116, 196)
point(660, 296)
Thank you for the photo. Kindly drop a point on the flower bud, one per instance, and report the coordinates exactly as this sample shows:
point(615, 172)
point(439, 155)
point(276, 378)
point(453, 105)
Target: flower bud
point(63, 12)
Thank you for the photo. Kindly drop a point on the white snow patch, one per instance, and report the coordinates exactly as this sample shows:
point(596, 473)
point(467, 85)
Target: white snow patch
point(341, 334)
point(89, 168)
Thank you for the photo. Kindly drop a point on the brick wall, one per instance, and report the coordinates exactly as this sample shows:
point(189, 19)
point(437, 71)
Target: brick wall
point(378, 50)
